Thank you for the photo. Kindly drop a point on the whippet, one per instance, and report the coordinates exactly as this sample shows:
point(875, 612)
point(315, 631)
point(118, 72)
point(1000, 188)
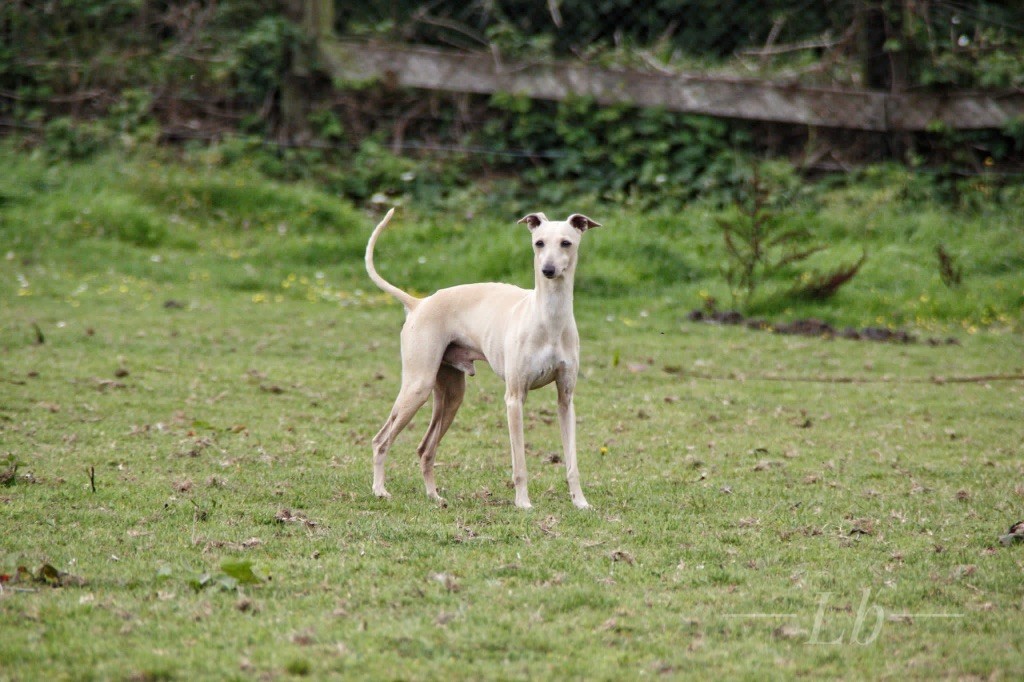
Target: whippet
point(528, 337)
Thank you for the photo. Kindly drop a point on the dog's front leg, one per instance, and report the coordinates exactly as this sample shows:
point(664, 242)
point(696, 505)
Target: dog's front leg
point(514, 399)
point(567, 425)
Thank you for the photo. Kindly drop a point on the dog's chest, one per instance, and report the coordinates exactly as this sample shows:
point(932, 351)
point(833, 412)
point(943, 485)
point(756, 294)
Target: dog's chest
point(545, 364)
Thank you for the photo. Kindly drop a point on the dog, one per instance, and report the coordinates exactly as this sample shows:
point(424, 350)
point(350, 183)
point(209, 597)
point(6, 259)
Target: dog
point(528, 337)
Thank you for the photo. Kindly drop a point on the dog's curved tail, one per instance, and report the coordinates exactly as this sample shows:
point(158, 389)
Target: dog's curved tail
point(406, 299)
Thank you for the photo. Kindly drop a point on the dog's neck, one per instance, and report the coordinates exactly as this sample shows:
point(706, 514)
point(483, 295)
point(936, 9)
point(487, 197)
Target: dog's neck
point(553, 299)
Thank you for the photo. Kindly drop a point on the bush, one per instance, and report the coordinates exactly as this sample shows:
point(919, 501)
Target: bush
point(263, 57)
point(68, 139)
point(764, 238)
point(619, 152)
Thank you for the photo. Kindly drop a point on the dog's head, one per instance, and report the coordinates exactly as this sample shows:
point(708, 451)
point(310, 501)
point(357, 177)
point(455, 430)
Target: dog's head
point(555, 242)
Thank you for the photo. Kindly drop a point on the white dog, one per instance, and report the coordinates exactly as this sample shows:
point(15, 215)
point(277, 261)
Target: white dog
point(528, 337)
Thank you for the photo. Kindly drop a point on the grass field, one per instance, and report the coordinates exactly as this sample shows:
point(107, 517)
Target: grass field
point(192, 365)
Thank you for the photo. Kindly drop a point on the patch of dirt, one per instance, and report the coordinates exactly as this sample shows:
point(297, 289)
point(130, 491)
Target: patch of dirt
point(814, 327)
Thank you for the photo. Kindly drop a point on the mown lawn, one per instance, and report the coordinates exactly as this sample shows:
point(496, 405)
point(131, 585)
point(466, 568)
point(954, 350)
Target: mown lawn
point(765, 506)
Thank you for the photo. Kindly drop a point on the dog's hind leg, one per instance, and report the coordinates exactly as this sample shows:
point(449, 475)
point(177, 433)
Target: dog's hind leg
point(410, 398)
point(449, 389)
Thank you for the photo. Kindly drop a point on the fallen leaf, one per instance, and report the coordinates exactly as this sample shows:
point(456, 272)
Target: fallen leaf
point(548, 525)
point(241, 571)
point(306, 638)
point(863, 527)
point(964, 571)
point(202, 581)
point(287, 516)
point(246, 605)
point(1011, 538)
point(622, 555)
point(8, 475)
point(788, 632)
point(765, 464)
point(49, 575)
point(447, 580)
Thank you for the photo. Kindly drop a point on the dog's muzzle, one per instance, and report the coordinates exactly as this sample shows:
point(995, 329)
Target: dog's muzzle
point(548, 271)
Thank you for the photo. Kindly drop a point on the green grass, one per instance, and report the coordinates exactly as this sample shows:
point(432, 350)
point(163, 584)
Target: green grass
point(62, 225)
point(733, 473)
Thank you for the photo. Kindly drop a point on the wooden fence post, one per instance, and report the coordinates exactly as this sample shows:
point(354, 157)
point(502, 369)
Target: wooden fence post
point(316, 18)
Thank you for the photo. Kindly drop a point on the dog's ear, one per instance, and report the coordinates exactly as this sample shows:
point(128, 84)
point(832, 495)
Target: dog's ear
point(581, 222)
point(533, 220)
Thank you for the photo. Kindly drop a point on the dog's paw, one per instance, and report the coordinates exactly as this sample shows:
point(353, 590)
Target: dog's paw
point(382, 493)
point(581, 502)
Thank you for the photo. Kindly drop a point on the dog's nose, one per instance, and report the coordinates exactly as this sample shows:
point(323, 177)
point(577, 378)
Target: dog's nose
point(548, 271)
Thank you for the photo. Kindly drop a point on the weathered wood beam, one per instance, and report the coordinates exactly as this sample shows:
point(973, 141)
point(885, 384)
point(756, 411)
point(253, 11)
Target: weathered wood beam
point(956, 110)
point(435, 69)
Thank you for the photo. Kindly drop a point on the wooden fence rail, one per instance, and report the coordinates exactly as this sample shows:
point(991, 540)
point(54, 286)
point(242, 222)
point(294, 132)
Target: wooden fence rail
point(436, 69)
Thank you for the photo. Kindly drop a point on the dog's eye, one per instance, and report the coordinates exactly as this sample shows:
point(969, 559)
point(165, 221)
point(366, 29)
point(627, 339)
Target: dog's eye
point(539, 243)
point(566, 243)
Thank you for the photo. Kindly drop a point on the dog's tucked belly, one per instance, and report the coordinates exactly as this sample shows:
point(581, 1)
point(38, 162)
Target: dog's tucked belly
point(541, 372)
point(461, 358)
